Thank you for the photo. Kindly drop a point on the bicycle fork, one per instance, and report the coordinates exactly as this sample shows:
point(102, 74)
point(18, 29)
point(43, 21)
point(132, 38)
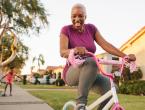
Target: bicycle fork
point(113, 100)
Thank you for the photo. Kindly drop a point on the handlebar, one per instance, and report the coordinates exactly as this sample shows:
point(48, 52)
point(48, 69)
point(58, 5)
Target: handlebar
point(74, 62)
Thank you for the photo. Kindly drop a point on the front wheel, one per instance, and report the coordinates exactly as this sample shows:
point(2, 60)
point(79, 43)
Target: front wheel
point(70, 105)
point(117, 107)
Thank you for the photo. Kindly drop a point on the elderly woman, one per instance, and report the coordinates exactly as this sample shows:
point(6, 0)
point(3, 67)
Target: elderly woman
point(82, 37)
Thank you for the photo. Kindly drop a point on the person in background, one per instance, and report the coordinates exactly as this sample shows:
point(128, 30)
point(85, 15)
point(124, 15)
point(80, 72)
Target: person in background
point(9, 80)
point(82, 37)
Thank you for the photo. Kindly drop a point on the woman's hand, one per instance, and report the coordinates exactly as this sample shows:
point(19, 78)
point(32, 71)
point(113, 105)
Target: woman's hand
point(80, 50)
point(132, 57)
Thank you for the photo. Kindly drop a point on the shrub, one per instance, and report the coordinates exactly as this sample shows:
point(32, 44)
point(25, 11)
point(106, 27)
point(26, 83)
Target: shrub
point(130, 83)
point(37, 75)
point(133, 87)
point(24, 79)
point(47, 79)
point(127, 76)
point(59, 82)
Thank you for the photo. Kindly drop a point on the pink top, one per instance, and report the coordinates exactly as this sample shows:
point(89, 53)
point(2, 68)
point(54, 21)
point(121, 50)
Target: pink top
point(85, 39)
point(9, 77)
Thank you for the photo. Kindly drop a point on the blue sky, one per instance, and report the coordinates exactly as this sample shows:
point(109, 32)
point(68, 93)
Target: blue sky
point(117, 20)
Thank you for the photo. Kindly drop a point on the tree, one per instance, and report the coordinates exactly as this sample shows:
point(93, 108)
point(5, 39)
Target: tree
point(40, 60)
point(22, 15)
point(22, 52)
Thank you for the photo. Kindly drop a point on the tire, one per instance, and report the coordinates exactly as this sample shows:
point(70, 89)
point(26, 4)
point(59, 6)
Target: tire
point(68, 105)
point(118, 107)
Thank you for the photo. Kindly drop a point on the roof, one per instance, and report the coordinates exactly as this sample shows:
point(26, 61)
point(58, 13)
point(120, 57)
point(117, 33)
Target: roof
point(133, 39)
point(54, 67)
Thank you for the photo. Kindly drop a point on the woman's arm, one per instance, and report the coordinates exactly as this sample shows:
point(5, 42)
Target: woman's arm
point(64, 51)
point(3, 77)
point(18, 76)
point(110, 48)
point(107, 46)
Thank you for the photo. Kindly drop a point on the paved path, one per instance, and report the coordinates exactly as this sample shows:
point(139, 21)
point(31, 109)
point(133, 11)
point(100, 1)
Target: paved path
point(22, 100)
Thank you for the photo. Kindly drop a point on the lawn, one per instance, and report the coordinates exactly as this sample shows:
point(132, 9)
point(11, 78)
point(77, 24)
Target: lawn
point(42, 86)
point(56, 98)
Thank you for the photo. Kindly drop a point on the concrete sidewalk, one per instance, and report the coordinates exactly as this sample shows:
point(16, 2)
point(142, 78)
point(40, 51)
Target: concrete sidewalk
point(22, 100)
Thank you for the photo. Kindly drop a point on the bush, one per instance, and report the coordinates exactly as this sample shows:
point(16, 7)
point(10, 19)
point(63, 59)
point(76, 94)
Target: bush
point(127, 76)
point(59, 82)
point(133, 87)
point(47, 79)
point(24, 79)
point(130, 83)
point(36, 76)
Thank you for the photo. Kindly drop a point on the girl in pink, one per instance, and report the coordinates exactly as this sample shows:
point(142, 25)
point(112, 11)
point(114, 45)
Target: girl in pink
point(9, 80)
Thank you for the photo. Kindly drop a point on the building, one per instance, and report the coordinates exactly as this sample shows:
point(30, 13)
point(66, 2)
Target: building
point(41, 71)
point(136, 45)
point(55, 69)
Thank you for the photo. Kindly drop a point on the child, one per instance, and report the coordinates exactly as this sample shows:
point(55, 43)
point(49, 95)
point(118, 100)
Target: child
point(9, 79)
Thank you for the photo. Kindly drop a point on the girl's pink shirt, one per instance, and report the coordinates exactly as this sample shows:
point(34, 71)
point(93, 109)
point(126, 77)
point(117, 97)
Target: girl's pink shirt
point(9, 77)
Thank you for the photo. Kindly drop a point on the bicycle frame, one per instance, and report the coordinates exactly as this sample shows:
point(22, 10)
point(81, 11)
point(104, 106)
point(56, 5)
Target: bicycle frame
point(113, 100)
point(112, 92)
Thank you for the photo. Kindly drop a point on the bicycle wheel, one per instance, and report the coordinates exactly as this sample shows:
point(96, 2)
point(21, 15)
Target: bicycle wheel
point(70, 105)
point(117, 107)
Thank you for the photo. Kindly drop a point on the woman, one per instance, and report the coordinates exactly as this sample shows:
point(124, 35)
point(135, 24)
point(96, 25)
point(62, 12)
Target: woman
point(82, 37)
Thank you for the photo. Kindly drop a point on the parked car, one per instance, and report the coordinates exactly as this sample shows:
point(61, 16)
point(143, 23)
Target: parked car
point(32, 80)
point(52, 80)
point(43, 80)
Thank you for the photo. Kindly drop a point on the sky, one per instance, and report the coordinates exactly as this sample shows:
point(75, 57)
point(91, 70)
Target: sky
point(117, 21)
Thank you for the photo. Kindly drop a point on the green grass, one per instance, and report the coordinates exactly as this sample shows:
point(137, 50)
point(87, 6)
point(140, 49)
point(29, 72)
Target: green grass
point(132, 102)
point(42, 86)
point(57, 98)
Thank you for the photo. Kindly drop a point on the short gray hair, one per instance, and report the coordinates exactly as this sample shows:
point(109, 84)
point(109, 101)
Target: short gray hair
point(79, 5)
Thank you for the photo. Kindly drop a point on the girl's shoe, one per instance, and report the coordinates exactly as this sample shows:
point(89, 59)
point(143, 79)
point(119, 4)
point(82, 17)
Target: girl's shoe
point(3, 95)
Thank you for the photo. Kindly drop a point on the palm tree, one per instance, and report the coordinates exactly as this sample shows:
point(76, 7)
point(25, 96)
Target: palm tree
point(40, 60)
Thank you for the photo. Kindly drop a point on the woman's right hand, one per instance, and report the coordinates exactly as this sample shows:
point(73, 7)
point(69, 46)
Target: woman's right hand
point(80, 50)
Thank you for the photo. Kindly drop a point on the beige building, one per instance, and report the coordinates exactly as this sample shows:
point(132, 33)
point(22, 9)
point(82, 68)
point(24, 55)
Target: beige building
point(136, 45)
point(55, 69)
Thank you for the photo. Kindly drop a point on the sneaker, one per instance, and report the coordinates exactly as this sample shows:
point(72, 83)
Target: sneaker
point(80, 107)
point(3, 94)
